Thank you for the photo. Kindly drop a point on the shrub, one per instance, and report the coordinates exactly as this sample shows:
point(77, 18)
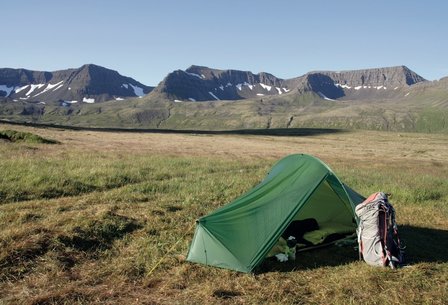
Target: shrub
point(19, 136)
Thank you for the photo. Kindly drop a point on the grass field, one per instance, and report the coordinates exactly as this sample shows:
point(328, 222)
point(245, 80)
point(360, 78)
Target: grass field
point(107, 218)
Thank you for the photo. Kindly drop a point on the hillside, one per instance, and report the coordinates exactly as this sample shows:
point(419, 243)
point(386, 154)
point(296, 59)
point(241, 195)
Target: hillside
point(392, 98)
point(422, 108)
point(205, 84)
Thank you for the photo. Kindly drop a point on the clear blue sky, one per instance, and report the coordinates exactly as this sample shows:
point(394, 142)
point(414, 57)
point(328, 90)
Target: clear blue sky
point(148, 39)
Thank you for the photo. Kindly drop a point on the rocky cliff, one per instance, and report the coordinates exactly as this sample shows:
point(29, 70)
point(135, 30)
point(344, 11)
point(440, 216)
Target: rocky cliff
point(203, 84)
point(357, 84)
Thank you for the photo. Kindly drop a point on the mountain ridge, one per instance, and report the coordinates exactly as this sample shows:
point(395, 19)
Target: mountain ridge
point(88, 83)
point(199, 83)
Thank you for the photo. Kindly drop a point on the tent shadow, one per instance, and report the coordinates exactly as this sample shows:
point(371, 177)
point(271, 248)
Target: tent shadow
point(316, 258)
point(423, 245)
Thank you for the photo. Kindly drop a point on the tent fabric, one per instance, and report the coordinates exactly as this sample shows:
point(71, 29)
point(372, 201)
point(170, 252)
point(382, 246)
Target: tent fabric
point(239, 235)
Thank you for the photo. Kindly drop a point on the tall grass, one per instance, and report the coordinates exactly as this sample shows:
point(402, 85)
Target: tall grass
point(83, 227)
point(75, 174)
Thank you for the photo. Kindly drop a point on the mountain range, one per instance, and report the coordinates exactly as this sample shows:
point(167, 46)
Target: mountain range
point(391, 98)
point(204, 84)
point(88, 84)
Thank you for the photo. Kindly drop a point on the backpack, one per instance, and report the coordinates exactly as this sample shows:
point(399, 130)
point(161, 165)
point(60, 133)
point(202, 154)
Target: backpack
point(377, 232)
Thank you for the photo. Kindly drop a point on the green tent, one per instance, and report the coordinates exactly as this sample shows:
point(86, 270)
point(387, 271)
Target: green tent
point(239, 235)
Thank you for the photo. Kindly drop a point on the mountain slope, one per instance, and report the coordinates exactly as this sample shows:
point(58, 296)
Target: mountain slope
point(357, 84)
point(88, 84)
point(204, 84)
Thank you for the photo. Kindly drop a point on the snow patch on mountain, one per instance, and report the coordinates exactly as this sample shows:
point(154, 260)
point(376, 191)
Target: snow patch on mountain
point(137, 90)
point(50, 86)
point(266, 87)
point(34, 87)
point(88, 100)
point(214, 96)
point(248, 85)
point(58, 87)
point(343, 86)
point(202, 76)
point(324, 97)
point(240, 86)
point(18, 89)
point(6, 89)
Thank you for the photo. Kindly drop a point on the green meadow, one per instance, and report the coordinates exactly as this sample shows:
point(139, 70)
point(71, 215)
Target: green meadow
point(107, 217)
